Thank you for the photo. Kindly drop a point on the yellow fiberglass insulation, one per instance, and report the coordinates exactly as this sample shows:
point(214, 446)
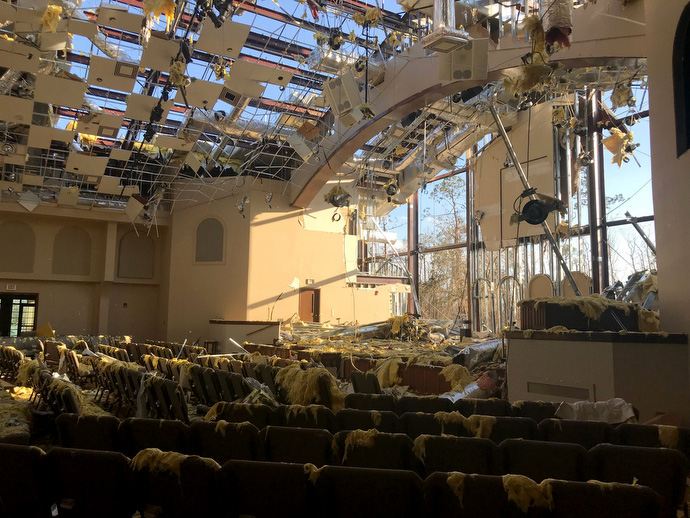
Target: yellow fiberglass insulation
point(449, 417)
point(375, 417)
point(154, 459)
point(26, 370)
point(295, 410)
point(525, 492)
point(479, 425)
point(668, 436)
point(419, 447)
point(362, 438)
point(15, 415)
point(212, 414)
point(458, 376)
point(648, 321)
point(312, 471)
point(156, 8)
point(51, 17)
point(592, 306)
point(386, 371)
point(220, 427)
point(302, 386)
point(456, 482)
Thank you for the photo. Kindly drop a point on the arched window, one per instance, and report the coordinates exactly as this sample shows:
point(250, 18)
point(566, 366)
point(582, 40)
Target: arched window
point(72, 251)
point(18, 247)
point(136, 257)
point(209, 241)
point(681, 81)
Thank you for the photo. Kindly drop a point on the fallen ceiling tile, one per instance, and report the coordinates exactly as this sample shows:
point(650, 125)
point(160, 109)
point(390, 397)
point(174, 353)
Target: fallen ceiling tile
point(60, 92)
point(173, 143)
point(29, 200)
point(68, 196)
point(202, 94)
point(32, 179)
point(260, 73)
point(159, 53)
point(86, 164)
point(118, 17)
point(226, 41)
point(139, 107)
point(120, 154)
point(41, 136)
point(110, 73)
point(16, 109)
point(110, 185)
point(245, 87)
point(133, 208)
point(91, 123)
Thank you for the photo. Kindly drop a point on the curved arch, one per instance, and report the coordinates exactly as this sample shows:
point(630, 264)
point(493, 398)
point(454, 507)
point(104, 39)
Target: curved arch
point(210, 241)
point(681, 81)
point(136, 256)
point(72, 251)
point(19, 247)
point(413, 83)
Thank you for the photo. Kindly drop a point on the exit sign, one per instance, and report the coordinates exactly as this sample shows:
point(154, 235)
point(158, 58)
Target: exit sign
point(11, 287)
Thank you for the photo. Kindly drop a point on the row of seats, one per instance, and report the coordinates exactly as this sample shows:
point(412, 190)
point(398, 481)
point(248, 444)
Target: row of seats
point(10, 358)
point(536, 410)
point(662, 469)
point(32, 481)
point(585, 433)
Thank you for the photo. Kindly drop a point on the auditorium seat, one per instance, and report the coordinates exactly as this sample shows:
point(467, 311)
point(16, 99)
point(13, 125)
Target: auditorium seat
point(495, 407)
point(305, 416)
point(380, 402)
point(541, 459)
point(381, 450)
point(88, 432)
point(223, 441)
point(354, 419)
point(259, 415)
point(466, 454)
point(301, 445)
point(23, 482)
point(429, 405)
point(137, 434)
point(537, 410)
point(585, 433)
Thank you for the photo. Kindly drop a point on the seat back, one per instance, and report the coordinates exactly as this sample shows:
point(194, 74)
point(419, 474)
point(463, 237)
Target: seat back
point(365, 382)
point(380, 402)
point(344, 492)
point(495, 407)
point(302, 445)
point(212, 385)
point(137, 434)
point(466, 454)
point(585, 433)
point(292, 494)
point(223, 441)
point(460, 495)
point(23, 482)
point(537, 410)
point(74, 469)
point(175, 485)
point(259, 415)
point(664, 470)
point(309, 416)
point(429, 405)
point(88, 432)
point(373, 449)
point(354, 419)
point(541, 459)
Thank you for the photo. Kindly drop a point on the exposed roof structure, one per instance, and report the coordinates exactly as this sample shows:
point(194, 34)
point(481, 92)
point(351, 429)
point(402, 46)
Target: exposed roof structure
point(107, 105)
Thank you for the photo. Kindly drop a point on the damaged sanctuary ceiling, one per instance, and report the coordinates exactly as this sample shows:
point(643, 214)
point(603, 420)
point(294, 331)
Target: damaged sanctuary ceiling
point(135, 105)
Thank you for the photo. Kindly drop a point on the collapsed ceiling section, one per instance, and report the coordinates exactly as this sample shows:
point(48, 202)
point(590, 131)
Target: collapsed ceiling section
point(107, 105)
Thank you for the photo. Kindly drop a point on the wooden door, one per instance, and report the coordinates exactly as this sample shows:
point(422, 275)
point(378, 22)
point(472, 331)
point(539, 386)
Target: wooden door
point(309, 301)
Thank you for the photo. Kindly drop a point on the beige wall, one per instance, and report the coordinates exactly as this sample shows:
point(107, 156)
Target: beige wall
point(281, 249)
point(199, 292)
point(93, 303)
point(670, 175)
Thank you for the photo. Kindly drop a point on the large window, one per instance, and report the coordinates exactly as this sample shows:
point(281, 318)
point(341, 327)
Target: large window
point(681, 81)
point(17, 314)
point(209, 241)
